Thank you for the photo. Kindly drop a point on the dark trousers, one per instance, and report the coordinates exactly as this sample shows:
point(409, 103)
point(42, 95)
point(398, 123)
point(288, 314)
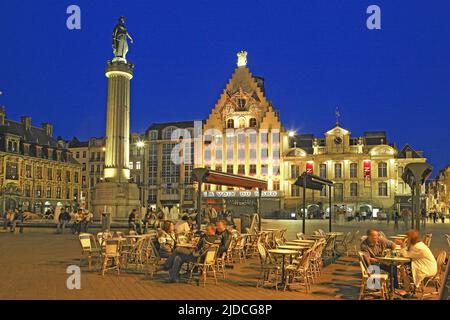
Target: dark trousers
point(176, 260)
point(392, 271)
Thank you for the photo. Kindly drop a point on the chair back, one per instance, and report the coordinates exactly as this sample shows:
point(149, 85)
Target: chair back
point(210, 255)
point(85, 241)
point(300, 236)
point(440, 261)
point(262, 252)
point(304, 259)
point(102, 237)
point(112, 247)
point(427, 239)
point(448, 240)
point(363, 265)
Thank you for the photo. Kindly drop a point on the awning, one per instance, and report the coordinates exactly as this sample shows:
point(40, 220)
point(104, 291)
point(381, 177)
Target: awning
point(204, 175)
point(312, 181)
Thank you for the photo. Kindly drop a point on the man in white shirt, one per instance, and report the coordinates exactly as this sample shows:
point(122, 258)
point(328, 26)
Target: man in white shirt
point(182, 226)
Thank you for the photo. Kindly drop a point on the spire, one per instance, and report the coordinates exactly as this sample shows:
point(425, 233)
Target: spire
point(338, 115)
point(242, 58)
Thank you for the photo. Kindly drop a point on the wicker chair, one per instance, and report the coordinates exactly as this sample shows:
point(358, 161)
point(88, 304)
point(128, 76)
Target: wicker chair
point(111, 254)
point(300, 236)
point(448, 241)
point(270, 270)
point(206, 264)
point(438, 278)
point(368, 277)
point(427, 239)
point(89, 248)
point(239, 248)
point(329, 250)
point(300, 274)
point(154, 261)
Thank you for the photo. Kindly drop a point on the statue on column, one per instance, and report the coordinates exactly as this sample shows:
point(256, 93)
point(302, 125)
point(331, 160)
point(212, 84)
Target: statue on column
point(119, 40)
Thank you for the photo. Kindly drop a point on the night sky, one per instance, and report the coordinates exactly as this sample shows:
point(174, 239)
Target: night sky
point(314, 55)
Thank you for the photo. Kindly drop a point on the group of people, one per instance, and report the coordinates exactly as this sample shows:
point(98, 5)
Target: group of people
point(81, 221)
point(423, 264)
point(214, 234)
point(12, 218)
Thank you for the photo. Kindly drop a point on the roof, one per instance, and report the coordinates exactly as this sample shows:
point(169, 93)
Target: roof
point(75, 143)
point(226, 179)
point(414, 153)
point(31, 135)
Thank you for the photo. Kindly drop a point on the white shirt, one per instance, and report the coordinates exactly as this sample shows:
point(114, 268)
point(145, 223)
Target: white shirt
point(423, 263)
point(182, 227)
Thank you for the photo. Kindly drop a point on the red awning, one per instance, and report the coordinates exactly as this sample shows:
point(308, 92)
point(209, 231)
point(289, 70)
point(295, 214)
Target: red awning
point(226, 179)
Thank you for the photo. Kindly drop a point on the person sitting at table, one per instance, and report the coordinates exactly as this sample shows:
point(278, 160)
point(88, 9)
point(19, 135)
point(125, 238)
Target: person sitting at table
point(181, 255)
point(374, 246)
point(166, 239)
point(423, 263)
point(225, 236)
point(182, 226)
point(132, 220)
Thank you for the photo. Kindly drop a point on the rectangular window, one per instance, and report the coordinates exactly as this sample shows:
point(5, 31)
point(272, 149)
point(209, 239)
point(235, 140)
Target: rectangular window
point(75, 177)
point(49, 174)
point(276, 186)
point(131, 166)
point(252, 169)
point(323, 170)
point(38, 191)
point(353, 189)
point(138, 165)
point(264, 169)
point(401, 188)
point(338, 192)
point(353, 170)
point(382, 189)
point(241, 169)
point(400, 172)
point(338, 171)
point(58, 175)
point(295, 190)
point(28, 171)
point(382, 170)
point(275, 169)
point(67, 176)
point(49, 192)
point(230, 168)
point(294, 171)
point(84, 154)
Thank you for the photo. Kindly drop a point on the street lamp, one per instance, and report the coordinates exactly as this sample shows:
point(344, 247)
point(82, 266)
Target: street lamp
point(141, 145)
point(291, 134)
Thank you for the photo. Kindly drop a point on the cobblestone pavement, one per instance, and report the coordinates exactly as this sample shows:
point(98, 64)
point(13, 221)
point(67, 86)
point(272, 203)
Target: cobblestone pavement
point(33, 266)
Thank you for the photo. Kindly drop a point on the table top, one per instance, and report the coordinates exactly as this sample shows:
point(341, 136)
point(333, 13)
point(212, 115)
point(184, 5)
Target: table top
point(134, 236)
point(290, 247)
point(303, 241)
point(283, 251)
point(394, 259)
point(299, 244)
point(271, 229)
point(317, 236)
point(397, 237)
point(335, 233)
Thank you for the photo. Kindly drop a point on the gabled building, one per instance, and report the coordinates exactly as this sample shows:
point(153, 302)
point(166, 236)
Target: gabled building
point(37, 171)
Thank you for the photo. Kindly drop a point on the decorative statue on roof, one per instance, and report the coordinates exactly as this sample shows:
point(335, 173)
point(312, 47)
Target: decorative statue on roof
point(119, 40)
point(242, 58)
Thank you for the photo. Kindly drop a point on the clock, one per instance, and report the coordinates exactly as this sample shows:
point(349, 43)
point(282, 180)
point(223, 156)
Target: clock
point(337, 140)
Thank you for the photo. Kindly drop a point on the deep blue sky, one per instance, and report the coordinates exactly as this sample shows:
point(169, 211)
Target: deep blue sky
point(314, 55)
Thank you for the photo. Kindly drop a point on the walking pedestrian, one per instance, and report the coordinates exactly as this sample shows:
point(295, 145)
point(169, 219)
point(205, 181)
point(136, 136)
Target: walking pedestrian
point(396, 218)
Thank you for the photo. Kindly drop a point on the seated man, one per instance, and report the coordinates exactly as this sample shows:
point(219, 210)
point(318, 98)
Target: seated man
point(374, 246)
point(181, 255)
point(18, 219)
point(423, 263)
point(225, 236)
point(182, 226)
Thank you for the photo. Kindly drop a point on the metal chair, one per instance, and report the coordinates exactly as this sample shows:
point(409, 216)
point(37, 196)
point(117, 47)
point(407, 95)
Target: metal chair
point(270, 271)
point(438, 278)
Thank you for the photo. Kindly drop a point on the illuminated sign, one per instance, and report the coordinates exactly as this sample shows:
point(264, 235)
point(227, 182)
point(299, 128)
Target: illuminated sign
point(240, 194)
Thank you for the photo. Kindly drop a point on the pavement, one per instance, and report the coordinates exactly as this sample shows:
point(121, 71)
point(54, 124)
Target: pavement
point(34, 266)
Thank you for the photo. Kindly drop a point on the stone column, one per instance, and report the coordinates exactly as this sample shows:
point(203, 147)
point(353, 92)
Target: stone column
point(117, 151)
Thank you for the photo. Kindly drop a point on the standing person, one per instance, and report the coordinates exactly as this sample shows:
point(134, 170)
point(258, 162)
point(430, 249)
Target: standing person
point(396, 218)
point(146, 221)
point(388, 217)
point(406, 215)
point(64, 219)
point(182, 226)
point(132, 220)
point(423, 213)
point(364, 215)
point(78, 220)
point(442, 214)
point(434, 216)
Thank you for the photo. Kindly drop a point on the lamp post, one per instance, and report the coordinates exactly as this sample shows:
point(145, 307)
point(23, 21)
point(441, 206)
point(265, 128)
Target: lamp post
point(141, 147)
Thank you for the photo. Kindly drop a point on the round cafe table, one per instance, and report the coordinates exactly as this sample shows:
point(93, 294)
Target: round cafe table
point(293, 247)
point(299, 244)
point(393, 262)
point(283, 253)
point(303, 241)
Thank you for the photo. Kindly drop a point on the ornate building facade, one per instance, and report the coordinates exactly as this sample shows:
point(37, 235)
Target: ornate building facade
point(37, 172)
point(243, 134)
point(438, 192)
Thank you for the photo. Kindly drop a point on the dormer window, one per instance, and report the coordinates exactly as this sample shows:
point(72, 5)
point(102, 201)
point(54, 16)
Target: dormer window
point(241, 104)
point(230, 123)
point(252, 123)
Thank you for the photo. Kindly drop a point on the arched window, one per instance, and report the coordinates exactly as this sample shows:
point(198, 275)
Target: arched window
point(252, 123)
point(230, 123)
